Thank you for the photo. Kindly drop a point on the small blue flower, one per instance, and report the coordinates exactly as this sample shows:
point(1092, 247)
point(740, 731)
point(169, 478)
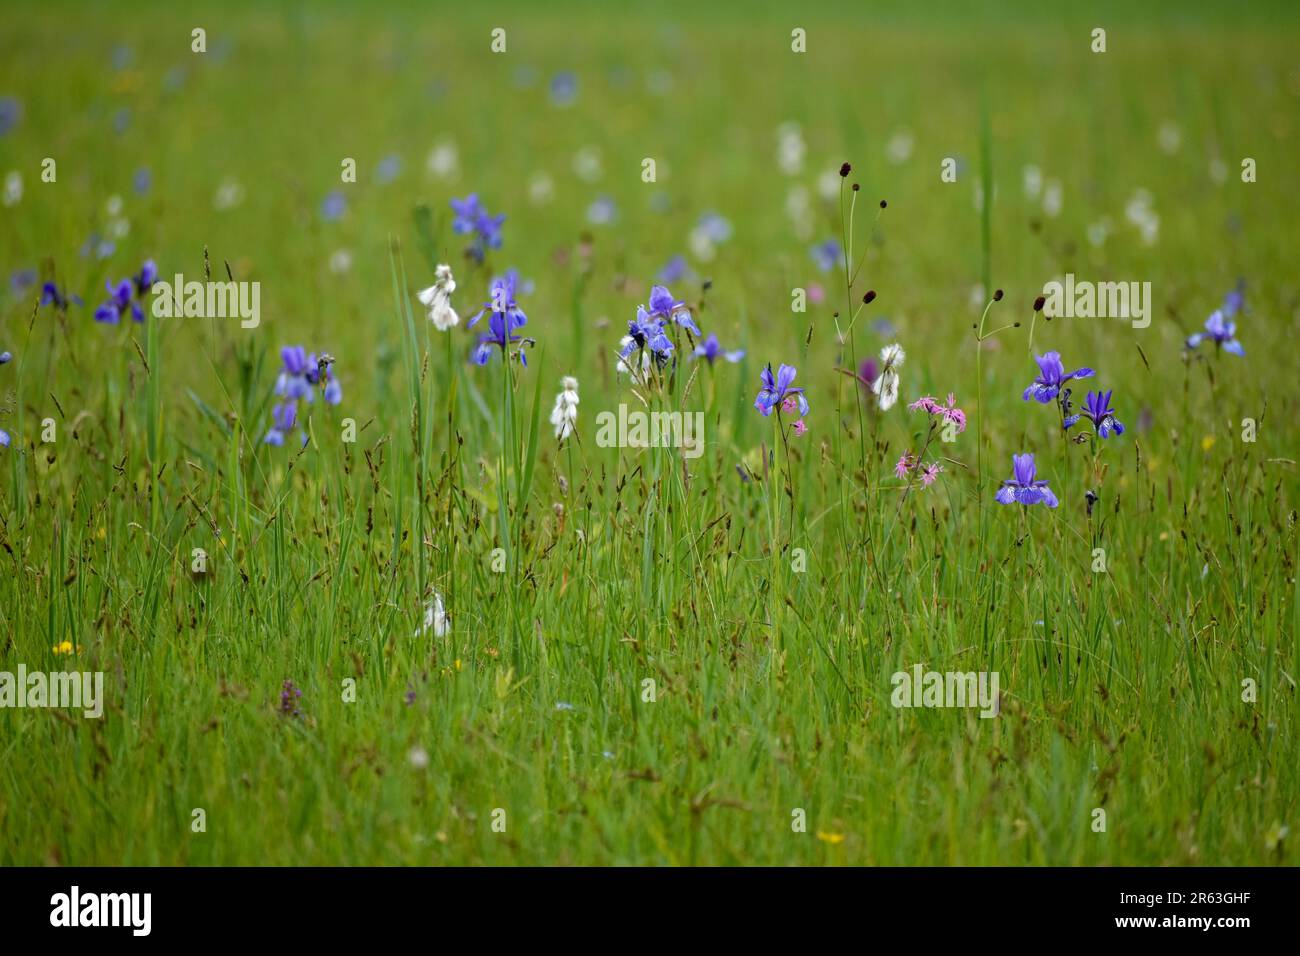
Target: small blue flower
point(388, 169)
point(602, 211)
point(711, 350)
point(827, 254)
point(564, 88)
point(333, 206)
point(1219, 327)
point(11, 111)
point(142, 181)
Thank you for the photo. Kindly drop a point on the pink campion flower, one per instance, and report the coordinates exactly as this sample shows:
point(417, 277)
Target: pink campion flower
point(789, 404)
point(799, 427)
point(929, 473)
point(949, 412)
point(904, 465)
point(954, 414)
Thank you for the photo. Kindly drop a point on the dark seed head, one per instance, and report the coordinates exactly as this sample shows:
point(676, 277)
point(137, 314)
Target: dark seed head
point(856, 187)
point(845, 169)
point(869, 297)
point(1039, 303)
point(883, 204)
point(997, 295)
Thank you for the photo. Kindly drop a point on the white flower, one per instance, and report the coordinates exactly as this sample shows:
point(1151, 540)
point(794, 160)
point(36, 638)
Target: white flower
point(229, 195)
point(418, 757)
point(1052, 196)
point(565, 414)
point(885, 386)
point(540, 188)
point(899, 147)
point(435, 618)
point(790, 149)
point(340, 262)
point(443, 162)
point(437, 299)
point(13, 190)
point(1033, 181)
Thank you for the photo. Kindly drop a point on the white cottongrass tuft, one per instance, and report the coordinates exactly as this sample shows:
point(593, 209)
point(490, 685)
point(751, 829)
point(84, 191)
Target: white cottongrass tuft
point(565, 413)
point(435, 618)
point(885, 386)
point(437, 299)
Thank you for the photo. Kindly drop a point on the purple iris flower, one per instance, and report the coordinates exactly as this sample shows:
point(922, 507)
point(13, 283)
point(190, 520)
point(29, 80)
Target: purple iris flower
point(711, 350)
point(776, 389)
point(647, 332)
point(664, 306)
point(1051, 376)
point(300, 373)
point(52, 295)
point(1022, 487)
point(97, 246)
point(1096, 408)
point(674, 269)
point(293, 382)
point(504, 317)
point(147, 276)
point(500, 333)
point(1219, 327)
point(119, 301)
point(472, 219)
point(827, 254)
point(501, 298)
point(22, 280)
point(285, 415)
point(5, 359)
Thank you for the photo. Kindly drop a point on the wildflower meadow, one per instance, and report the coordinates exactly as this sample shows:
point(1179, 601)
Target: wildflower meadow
point(676, 434)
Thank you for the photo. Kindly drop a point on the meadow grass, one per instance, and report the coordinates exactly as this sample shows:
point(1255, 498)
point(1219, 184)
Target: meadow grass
point(1121, 690)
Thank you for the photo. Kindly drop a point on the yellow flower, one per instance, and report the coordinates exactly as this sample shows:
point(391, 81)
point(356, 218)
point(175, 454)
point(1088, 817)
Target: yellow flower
point(1207, 442)
point(458, 663)
point(102, 533)
point(831, 838)
point(64, 648)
